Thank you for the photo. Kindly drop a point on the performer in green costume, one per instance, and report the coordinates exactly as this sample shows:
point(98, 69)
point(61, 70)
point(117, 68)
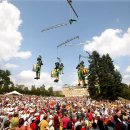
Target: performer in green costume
point(38, 67)
point(82, 73)
point(59, 69)
point(56, 71)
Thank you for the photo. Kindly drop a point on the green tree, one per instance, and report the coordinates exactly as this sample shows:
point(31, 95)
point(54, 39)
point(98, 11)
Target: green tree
point(103, 80)
point(93, 78)
point(26, 90)
point(5, 81)
point(109, 79)
point(43, 91)
point(50, 91)
point(126, 91)
point(33, 90)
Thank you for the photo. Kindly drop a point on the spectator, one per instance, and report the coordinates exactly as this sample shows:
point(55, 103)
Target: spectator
point(43, 124)
point(6, 125)
point(14, 121)
point(94, 126)
point(65, 121)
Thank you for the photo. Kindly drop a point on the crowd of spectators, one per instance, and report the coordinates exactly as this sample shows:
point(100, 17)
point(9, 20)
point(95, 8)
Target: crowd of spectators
point(60, 113)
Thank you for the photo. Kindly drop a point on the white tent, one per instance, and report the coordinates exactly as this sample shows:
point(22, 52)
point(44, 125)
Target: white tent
point(13, 93)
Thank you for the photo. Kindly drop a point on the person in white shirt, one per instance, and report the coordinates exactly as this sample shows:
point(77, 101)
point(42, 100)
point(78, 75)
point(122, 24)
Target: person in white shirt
point(78, 122)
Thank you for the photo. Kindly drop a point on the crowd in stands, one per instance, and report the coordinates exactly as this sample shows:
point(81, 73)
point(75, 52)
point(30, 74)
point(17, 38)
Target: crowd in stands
point(53, 113)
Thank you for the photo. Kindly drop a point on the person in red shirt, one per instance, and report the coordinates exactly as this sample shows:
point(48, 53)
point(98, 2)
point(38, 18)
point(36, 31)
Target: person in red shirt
point(56, 122)
point(65, 121)
point(33, 125)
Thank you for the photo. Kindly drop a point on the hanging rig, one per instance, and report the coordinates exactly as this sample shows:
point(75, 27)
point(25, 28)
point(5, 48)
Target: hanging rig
point(70, 4)
point(70, 22)
point(81, 56)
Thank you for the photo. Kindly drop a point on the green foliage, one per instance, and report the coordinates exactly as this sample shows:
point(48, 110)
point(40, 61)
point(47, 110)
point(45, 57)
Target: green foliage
point(126, 91)
point(5, 82)
point(50, 91)
point(93, 77)
point(6, 85)
point(103, 80)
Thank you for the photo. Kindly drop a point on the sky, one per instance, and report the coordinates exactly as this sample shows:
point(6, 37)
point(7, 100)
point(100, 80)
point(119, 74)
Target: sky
point(102, 25)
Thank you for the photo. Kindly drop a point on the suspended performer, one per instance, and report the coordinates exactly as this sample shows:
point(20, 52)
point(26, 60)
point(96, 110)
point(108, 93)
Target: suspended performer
point(56, 71)
point(61, 68)
point(82, 73)
point(37, 67)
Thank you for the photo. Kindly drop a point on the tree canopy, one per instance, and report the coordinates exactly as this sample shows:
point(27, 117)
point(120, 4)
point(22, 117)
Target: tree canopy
point(103, 80)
